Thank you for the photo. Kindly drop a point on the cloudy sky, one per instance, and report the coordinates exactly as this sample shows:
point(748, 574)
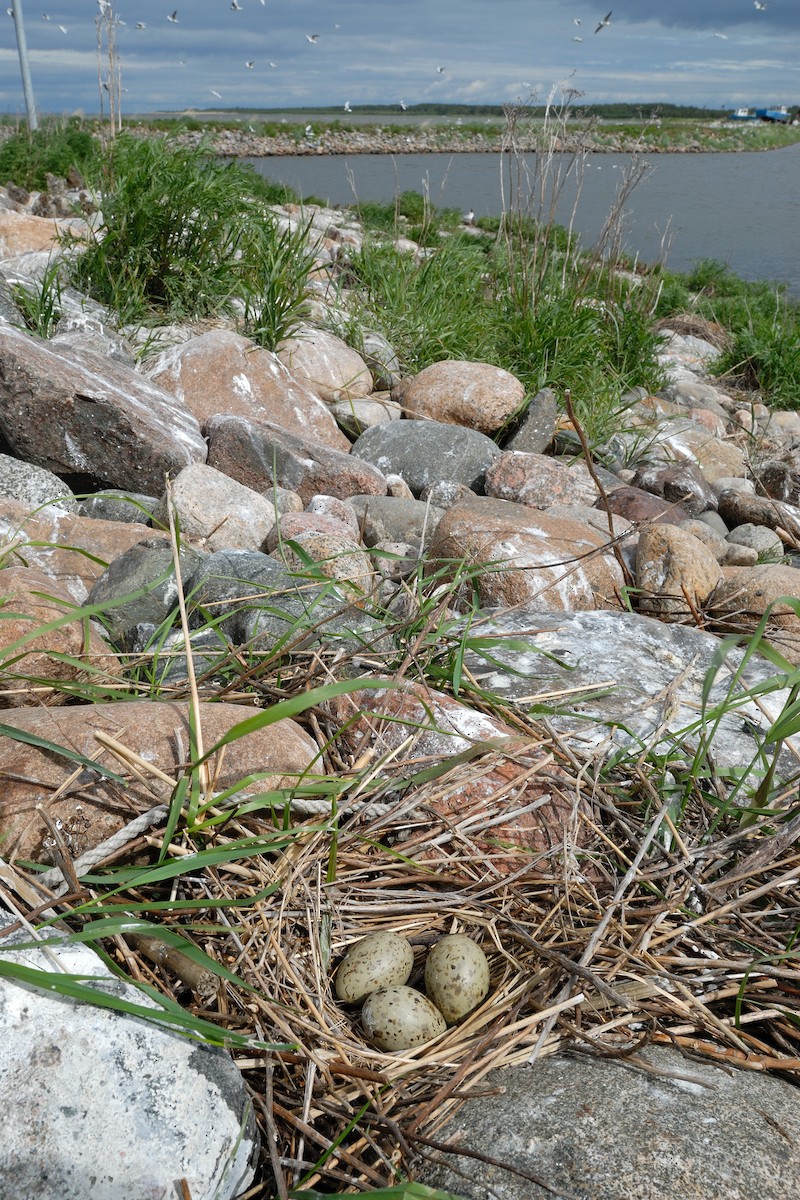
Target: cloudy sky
point(711, 52)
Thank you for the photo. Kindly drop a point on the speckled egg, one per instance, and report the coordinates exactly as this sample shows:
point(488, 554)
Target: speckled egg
point(398, 1018)
point(456, 976)
point(378, 961)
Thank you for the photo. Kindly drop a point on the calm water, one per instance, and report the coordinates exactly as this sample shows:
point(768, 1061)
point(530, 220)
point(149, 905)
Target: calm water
point(741, 209)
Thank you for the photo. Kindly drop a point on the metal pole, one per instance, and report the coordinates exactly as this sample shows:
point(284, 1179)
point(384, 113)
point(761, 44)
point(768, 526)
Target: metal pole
point(22, 47)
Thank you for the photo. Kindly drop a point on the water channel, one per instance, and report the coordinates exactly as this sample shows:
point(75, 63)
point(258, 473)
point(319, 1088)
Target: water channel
point(740, 209)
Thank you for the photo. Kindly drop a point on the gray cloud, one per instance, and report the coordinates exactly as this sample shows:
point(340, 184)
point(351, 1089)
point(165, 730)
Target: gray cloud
point(370, 51)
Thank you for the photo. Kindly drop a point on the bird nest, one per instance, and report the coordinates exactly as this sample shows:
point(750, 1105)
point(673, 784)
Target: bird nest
point(646, 923)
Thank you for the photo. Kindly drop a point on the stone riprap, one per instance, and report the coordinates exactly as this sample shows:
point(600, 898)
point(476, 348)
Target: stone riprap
point(306, 498)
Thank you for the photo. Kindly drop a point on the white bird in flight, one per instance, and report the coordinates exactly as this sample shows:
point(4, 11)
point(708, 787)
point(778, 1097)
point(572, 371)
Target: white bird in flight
point(576, 20)
point(141, 25)
point(605, 21)
point(236, 6)
point(273, 65)
point(251, 62)
point(760, 4)
point(312, 37)
point(403, 105)
point(347, 107)
point(724, 36)
point(440, 70)
point(173, 17)
point(45, 16)
point(213, 93)
point(577, 39)
point(63, 29)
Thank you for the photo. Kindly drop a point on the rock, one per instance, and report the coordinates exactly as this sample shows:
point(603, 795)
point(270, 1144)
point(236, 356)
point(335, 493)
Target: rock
point(222, 372)
point(149, 564)
point(683, 484)
point(34, 486)
point(742, 598)
point(332, 555)
point(22, 232)
point(428, 452)
point(69, 655)
point(105, 1104)
point(473, 394)
point(119, 506)
point(322, 361)
point(628, 678)
point(675, 572)
point(539, 481)
point(639, 506)
point(519, 555)
point(354, 416)
point(113, 425)
point(538, 425)
point(381, 360)
point(216, 512)
point(388, 518)
point(709, 536)
point(261, 456)
point(442, 727)
point(157, 730)
point(740, 556)
point(253, 596)
point(71, 549)
point(766, 543)
point(607, 1129)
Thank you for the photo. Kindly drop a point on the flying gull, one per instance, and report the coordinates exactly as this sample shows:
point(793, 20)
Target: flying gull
point(173, 17)
point(605, 21)
point(312, 37)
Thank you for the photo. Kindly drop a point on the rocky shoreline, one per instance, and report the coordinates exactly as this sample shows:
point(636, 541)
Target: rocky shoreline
point(316, 489)
point(241, 143)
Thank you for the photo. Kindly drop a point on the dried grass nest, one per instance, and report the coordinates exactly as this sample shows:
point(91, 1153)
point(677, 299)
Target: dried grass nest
point(663, 928)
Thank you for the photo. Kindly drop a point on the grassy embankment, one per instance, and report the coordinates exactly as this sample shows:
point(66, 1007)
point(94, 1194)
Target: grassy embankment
point(184, 237)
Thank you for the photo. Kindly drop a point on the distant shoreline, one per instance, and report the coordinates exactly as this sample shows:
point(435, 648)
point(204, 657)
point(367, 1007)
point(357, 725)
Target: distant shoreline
point(240, 143)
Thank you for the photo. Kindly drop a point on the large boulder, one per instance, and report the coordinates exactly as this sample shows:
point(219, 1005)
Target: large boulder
point(223, 372)
point(101, 1104)
point(158, 731)
point(427, 452)
point(473, 394)
point(87, 415)
point(521, 555)
point(616, 1129)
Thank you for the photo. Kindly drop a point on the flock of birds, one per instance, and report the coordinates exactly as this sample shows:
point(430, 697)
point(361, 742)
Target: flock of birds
point(105, 7)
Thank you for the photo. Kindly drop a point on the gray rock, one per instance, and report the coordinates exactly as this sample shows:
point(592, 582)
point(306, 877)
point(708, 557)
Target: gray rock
point(106, 344)
point(626, 663)
point(392, 519)
point(606, 1129)
point(766, 543)
point(148, 564)
point(164, 659)
point(381, 360)
point(252, 596)
point(714, 521)
point(34, 485)
point(444, 494)
point(119, 506)
point(107, 1105)
point(538, 426)
point(9, 309)
point(427, 452)
point(354, 416)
